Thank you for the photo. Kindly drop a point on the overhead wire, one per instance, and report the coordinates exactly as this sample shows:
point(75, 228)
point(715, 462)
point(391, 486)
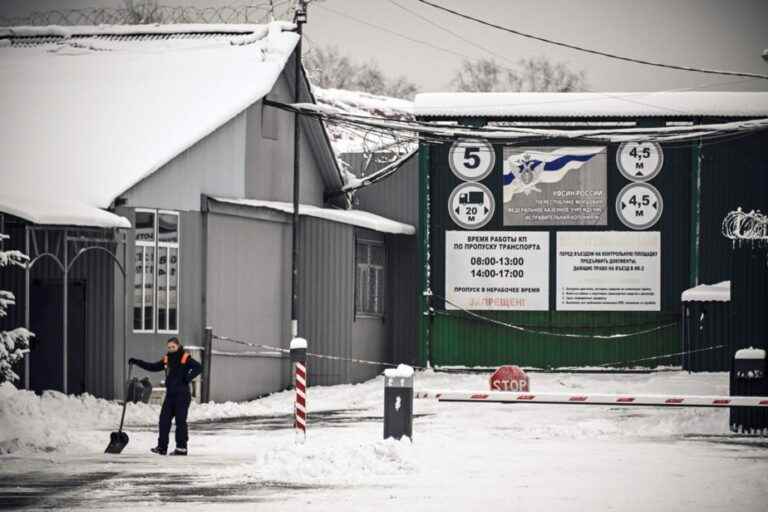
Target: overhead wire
point(590, 50)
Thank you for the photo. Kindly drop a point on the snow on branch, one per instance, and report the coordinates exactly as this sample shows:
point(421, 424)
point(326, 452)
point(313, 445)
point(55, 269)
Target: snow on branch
point(14, 343)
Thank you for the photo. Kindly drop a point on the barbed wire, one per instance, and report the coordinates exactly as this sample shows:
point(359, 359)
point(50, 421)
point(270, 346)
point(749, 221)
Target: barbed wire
point(740, 225)
point(228, 14)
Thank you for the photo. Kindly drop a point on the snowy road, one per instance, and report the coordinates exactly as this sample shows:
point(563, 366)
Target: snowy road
point(464, 456)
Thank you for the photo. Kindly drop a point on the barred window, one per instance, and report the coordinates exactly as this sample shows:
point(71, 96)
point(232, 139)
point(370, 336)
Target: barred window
point(156, 278)
point(370, 283)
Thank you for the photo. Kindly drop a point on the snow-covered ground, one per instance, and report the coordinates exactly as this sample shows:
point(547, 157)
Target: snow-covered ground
point(463, 456)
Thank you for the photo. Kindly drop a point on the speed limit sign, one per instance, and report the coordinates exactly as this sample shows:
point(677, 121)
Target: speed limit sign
point(639, 161)
point(471, 159)
point(639, 205)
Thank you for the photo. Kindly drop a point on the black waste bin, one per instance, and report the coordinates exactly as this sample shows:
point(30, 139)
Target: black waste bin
point(748, 378)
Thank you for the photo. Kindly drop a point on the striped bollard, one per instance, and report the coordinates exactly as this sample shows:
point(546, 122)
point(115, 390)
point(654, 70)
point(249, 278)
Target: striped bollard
point(299, 359)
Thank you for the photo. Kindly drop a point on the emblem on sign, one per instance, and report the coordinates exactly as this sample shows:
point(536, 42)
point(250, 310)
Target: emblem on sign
point(639, 205)
point(639, 161)
point(471, 205)
point(471, 160)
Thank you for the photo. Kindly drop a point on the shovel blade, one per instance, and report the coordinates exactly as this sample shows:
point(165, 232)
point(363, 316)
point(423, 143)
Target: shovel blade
point(117, 441)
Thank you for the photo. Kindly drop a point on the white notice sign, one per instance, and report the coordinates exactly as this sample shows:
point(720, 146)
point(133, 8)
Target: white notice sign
point(608, 271)
point(504, 270)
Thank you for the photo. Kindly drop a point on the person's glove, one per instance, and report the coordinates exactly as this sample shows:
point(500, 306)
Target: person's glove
point(132, 361)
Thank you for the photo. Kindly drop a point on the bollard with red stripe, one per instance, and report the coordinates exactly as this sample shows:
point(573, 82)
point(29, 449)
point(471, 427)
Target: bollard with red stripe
point(299, 359)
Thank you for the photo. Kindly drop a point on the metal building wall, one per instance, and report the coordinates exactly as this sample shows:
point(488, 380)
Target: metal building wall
point(734, 173)
point(95, 270)
point(326, 291)
point(396, 197)
point(403, 281)
point(248, 293)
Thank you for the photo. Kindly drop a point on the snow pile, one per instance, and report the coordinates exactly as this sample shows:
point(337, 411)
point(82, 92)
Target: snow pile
point(720, 292)
point(327, 463)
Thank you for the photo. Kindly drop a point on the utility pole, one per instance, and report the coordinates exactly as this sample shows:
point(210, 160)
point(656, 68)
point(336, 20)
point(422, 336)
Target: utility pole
point(299, 18)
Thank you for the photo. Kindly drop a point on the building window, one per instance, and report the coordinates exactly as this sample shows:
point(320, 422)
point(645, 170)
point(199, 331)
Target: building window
point(156, 281)
point(270, 122)
point(369, 289)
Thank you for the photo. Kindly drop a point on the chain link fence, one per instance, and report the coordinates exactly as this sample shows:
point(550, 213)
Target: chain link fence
point(149, 12)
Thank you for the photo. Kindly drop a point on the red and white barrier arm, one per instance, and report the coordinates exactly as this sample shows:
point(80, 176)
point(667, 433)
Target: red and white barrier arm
point(593, 399)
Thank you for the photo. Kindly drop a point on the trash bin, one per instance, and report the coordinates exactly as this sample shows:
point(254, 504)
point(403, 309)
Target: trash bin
point(707, 321)
point(748, 378)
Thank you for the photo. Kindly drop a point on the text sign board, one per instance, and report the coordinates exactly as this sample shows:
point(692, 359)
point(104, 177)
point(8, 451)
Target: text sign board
point(555, 186)
point(608, 271)
point(497, 270)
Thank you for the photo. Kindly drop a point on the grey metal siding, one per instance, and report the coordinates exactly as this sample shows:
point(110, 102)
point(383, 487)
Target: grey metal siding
point(214, 166)
point(403, 280)
point(247, 298)
point(326, 291)
point(396, 197)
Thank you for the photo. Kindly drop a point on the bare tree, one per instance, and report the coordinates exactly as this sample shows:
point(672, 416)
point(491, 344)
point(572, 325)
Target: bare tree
point(143, 12)
point(329, 69)
point(530, 75)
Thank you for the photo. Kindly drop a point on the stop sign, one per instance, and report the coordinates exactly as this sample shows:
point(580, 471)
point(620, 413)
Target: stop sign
point(509, 378)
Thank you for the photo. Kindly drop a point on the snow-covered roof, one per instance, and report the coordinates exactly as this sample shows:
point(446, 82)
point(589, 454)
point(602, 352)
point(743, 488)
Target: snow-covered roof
point(750, 353)
point(357, 218)
point(720, 292)
point(88, 112)
point(593, 104)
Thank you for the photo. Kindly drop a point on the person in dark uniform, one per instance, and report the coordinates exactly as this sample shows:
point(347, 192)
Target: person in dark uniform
point(180, 369)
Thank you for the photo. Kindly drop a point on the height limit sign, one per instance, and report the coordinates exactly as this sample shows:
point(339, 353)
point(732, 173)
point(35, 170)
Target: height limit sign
point(639, 205)
point(471, 205)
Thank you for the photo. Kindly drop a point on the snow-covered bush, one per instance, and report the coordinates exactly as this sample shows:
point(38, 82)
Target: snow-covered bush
point(15, 343)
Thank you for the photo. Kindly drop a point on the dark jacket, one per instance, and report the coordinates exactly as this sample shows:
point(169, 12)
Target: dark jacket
point(178, 375)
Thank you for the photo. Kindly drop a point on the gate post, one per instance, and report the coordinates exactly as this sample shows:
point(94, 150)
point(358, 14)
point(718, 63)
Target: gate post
point(208, 357)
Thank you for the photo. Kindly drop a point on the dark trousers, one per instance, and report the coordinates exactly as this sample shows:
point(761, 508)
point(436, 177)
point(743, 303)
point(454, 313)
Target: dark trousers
point(176, 405)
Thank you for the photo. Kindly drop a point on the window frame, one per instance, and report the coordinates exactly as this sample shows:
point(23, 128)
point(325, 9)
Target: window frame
point(157, 245)
point(368, 244)
point(144, 244)
point(168, 245)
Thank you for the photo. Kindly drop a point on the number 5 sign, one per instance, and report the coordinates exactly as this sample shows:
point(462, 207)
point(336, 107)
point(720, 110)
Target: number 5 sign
point(471, 160)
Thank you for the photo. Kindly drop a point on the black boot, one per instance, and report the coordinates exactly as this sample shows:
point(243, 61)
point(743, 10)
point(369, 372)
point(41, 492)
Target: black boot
point(158, 450)
point(179, 451)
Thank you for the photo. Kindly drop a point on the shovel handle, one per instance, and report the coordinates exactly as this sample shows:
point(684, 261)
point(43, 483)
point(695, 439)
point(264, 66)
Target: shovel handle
point(125, 397)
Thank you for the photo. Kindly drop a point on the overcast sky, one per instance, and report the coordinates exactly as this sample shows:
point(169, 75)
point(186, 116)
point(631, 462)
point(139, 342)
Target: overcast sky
point(722, 34)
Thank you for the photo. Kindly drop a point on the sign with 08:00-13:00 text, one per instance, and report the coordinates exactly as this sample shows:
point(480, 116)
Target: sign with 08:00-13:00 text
point(500, 270)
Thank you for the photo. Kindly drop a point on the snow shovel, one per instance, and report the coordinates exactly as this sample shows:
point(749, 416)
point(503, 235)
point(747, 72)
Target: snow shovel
point(118, 440)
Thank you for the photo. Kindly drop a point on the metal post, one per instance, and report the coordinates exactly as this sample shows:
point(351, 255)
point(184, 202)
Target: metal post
point(300, 18)
point(65, 336)
point(398, 402)
point(26, 307)
point(299, 359)
point(124, 269)
point(695, 234)
point(208, 355)
point(424, 299)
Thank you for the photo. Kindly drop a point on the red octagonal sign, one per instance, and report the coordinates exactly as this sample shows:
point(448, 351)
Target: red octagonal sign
point(509, 378)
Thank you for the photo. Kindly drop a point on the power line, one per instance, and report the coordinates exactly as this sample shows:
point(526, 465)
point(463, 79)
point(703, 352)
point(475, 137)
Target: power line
point(393, 32)
point(591, 51)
